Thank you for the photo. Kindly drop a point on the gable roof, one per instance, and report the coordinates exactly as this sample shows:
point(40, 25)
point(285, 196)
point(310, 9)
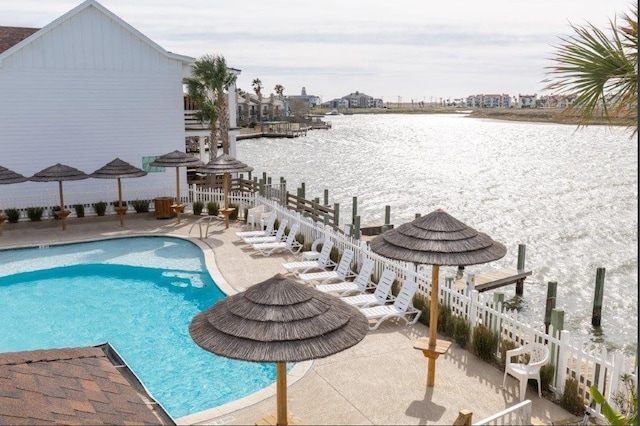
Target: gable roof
point(10, 36)
point(73, 386)
point(92, 3)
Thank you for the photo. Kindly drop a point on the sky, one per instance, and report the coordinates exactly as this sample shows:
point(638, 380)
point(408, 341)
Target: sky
point(397, 50)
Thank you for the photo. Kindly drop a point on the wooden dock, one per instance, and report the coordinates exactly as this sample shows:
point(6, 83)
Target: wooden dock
point(494, 279)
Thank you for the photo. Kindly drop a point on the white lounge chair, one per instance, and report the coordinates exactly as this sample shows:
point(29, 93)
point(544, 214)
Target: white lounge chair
point(360, 284)
point(340, 273)
point(538, 356)
point(279, 236)
point(402, 307)
point(269, 229)
point(323, 262)
point(290, 244)
point(380, 296)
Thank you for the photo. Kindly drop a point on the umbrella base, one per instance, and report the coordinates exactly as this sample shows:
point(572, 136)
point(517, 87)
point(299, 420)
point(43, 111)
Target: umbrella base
point(272, 419)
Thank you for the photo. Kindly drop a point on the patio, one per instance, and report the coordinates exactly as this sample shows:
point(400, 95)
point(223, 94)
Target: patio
point(381, 380)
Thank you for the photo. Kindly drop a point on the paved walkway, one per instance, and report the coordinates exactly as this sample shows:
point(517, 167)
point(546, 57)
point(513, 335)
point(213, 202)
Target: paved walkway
point(380, 381)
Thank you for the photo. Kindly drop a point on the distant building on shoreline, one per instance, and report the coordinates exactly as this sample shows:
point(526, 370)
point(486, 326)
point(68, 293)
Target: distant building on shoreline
point(354, 100)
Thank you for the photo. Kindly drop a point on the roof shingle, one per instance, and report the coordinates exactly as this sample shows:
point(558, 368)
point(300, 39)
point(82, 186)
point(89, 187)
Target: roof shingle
point(10, 36)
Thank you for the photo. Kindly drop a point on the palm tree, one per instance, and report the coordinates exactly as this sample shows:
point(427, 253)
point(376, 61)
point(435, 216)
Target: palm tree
point(599, 73)
point(257, 87)
point(209, 86)
point(279, 89)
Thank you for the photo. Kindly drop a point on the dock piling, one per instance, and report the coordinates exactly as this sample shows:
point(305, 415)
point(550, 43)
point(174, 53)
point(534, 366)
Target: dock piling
point(326, 197)
point(356, 227)
point(552, 287)
point(354, 210)
point(521, 255)
point(596, 316)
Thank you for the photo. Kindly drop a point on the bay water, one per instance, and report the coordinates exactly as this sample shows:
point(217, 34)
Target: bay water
point(570, 195)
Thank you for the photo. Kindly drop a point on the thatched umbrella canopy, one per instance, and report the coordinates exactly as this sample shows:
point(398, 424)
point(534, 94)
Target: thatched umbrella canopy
point(278, 320)
point(8, 177)
point(176, 159)
point(437, 239)
point(224, 164)
point(59, 172)
point(118, 169)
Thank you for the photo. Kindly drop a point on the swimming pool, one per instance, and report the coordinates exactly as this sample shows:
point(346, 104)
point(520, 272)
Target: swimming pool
point(139, 294)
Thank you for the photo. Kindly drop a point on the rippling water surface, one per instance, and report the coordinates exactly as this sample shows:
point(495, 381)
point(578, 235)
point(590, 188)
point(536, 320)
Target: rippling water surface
point(569, 195)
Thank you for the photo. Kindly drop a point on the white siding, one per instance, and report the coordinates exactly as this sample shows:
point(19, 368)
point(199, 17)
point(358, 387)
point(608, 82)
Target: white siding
point(85, 92)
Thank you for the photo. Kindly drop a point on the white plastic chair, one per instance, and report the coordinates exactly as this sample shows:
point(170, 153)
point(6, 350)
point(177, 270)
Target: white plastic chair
point(279, 236)
point(261, 232)
point(380, 296)
point(290, 244)
point(254, 215)
point(538, 356)
point(323, 263)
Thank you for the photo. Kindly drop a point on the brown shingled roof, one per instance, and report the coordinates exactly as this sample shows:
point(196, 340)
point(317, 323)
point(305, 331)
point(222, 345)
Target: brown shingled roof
point(10, 36)
point(73, 386)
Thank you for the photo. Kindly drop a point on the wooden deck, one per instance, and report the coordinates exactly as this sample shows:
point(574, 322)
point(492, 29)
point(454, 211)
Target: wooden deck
point(494, 279)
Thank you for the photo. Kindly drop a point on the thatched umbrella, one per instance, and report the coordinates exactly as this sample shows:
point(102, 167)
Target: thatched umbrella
point(176, 159)
point(278, 320)
point(8, 177)
point(437, 239)
point(224, 164)
point(59, 172)
point(118, 169)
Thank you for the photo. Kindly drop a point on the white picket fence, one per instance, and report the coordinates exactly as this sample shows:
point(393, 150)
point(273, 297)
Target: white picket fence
point(588, 363)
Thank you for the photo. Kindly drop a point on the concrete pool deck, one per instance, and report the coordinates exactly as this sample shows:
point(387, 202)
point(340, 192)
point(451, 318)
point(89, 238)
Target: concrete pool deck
point(381, 380)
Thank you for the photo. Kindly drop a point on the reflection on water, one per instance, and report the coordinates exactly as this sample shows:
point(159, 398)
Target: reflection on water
point(569, 195)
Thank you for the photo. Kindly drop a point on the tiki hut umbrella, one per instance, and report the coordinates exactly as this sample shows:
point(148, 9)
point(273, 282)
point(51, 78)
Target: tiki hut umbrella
point(8, 177)
point(117, 169)
point(437, 239)
point(278, 320)
point(176, 159)
point(224, 164)
point(59, 172)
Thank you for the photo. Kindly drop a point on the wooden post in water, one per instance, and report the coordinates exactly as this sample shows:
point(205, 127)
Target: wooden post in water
point(326, 197)
point(552, 287)
point(354, 210)
point(356, 227)
point(336, 214)
point(520, 282)
point(418, 215)
point(557, 321)
point(596, 315)
point(261, 187)
point(302, 190)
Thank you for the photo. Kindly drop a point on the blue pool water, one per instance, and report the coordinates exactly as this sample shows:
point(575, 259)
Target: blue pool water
point(140, 295)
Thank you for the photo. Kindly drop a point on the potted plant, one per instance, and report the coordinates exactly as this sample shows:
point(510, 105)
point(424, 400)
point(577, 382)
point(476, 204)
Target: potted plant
point(35, 213)
point(198, 206)
point(213, 208)
point(100, 207)
point(140, 206)
point(79, 208)
point(13, 215)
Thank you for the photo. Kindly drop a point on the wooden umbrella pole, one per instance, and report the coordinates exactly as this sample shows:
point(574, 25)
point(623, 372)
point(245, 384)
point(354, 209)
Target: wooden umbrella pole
point(281, 392)
point(178, 193)
point(120, 202)
point(62, 215)
point(433, 324)
point(226, 191)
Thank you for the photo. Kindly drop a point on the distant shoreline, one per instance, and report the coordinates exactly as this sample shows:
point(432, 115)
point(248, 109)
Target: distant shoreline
point(541, 115)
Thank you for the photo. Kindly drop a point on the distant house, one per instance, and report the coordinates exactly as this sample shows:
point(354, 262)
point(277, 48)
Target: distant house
point(527, 101)
point(489, 101)
point(312, 100)
point(272, 108)
point(355, 100)
point(83, 90)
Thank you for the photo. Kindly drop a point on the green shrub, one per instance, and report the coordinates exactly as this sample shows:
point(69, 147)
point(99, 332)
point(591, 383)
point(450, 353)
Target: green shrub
point(547, 372)
point(140, 206)
point(213, 208)
point(35, 213)
point(13, 215)
point(100, 208)
point(234, 214)
point(570, 399)
point(300, 238)
point(505, 345)
point(198, 206)
point(444, 318)
point(79, 208)
point(461, 331)
point(484, 342)
point(334, 255)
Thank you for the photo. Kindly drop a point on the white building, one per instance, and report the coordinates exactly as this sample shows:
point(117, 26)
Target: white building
point(81, 91)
